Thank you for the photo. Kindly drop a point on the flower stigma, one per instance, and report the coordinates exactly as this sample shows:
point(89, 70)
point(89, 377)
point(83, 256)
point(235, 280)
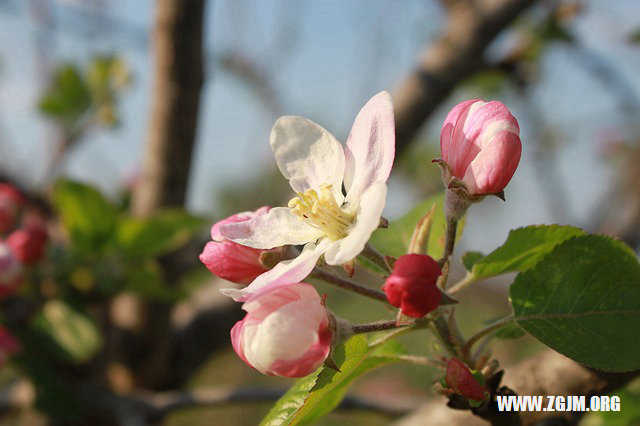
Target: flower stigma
point(322, 212)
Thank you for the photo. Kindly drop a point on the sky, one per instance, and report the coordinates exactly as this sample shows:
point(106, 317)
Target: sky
point(324, 59)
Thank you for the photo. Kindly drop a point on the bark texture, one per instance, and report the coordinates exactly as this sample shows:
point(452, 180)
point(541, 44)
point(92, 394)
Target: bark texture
point(178, 78)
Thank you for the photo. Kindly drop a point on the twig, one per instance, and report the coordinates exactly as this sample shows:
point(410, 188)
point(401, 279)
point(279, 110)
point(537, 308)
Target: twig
point(377, 326)
point(376, 257)
point(156, 406)
point(347, 284)
point(488, 329)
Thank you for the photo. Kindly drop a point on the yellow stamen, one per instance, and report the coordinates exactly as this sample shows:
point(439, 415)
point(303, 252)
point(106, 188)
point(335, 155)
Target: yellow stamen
point(322, 212)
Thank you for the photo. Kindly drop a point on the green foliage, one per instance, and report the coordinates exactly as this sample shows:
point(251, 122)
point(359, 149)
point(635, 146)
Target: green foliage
point(73, 332)
point(318, 394)
point(394, 240)
point(470, 258)
point(147, 281)
point(629, 414)
point(157, 235)
point(634, 37)
point(88, 217)
point(583, 300)
point(114, 251)
point(68, 97)
point(523, 249)
point(509, 331)
point(78, 96)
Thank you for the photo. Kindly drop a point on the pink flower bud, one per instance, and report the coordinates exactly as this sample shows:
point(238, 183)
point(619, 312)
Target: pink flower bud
point(28, 243)
point(480, 141)
point(232, 261)
point(8, 345)
point(460, 379)
point(412, 285)
point(10, 271)
point(11, 201)
point(285, 332)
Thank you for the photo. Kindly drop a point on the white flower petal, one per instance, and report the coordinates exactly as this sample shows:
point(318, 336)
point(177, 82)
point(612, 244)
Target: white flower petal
point(308, 155)
point(370, 147)
point(284, 335)
point(277, 228)
point(367, 220)
point(286, 272)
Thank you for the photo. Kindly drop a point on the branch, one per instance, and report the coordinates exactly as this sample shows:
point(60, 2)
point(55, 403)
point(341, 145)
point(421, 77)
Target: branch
point(148, 407)
point(456, 56)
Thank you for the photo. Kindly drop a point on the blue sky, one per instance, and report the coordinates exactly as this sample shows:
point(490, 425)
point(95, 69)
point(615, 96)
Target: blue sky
point(343, 53)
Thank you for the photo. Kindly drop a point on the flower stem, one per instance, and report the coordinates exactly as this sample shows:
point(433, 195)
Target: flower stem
point(347, 284)
point(450, 241)
point(463, 283)
point(375, 256)
point(488, 329)
point(421, 360)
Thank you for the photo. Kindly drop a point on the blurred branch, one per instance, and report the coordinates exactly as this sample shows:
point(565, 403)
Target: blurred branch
point(146, 407)
point(178, 77)
point(457, 55)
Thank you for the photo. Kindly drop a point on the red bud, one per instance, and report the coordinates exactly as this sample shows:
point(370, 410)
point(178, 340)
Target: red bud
point(412, 285)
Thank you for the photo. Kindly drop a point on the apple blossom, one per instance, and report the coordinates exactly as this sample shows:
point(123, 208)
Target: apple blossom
point(412, 285)
point(10, 271)
point(11, 200)
point(8, 345)
point(232, 261)
point(323, 218)
point(480, 143)
point(285, 332)
point(29, 242)
point(459, 378)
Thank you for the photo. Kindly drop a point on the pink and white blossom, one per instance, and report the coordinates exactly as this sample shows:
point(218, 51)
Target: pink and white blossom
point(232, 261)
point(323, 218)
point(285, 332)
point(29, 242)
point(8, 345)
point(480, 142)
point(11, 201)
point(10, 271)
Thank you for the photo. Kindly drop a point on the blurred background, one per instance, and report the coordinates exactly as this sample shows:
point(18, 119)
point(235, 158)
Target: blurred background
point(128, 127)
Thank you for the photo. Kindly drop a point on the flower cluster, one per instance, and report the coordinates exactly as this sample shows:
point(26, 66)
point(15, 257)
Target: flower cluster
point(340, 192)
point(286, 331)
point(23, 237)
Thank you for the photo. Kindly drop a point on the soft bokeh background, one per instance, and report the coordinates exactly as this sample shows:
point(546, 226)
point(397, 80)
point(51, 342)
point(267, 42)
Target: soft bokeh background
point(568, 71)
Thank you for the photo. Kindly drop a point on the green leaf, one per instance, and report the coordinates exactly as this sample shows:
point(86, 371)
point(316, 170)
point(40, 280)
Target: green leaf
point(470, 258)
point(523, 249)
point(627, 413)
point(68, 97)
point(86, 214)
point(157, 235)
point(147, 280)
point(289, 403)
point(394, 240)
point(73, 332)
point(583, 300)
point(509, 331)
point(634, 37)
point(318, 394)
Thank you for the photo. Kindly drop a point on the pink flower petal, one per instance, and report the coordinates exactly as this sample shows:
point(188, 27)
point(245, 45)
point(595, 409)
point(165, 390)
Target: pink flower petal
point(370, 148)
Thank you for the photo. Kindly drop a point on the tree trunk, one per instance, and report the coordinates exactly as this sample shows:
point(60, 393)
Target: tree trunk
point(178, 78)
